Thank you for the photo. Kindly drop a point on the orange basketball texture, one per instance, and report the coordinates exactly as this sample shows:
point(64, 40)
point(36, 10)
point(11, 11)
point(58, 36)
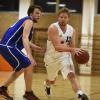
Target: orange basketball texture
point(82, 58)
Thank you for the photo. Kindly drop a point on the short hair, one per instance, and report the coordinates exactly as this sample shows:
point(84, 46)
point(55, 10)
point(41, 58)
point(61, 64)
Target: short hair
point(32, 7)
point(64, 10)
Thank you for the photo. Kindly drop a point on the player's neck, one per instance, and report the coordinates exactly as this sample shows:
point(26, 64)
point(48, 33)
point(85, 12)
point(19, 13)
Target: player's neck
point(63, 27)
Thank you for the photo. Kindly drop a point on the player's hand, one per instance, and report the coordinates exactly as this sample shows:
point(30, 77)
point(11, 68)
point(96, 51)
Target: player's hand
point(77, 51)
point(39, 49)
point(33, 62)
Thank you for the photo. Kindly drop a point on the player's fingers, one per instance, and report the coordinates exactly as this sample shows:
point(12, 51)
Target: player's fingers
point(35, 64)
point(81, 51)
point(77, 53)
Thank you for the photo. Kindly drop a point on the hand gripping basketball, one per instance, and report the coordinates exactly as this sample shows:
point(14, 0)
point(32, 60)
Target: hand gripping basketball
point(82, 58)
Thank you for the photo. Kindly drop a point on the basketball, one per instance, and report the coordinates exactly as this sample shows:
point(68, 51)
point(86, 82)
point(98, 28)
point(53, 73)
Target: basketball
point(82, 58)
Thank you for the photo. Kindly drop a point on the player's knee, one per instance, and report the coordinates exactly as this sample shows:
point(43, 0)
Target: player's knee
point(29, 68)
point(50, 82)
point(71, 76)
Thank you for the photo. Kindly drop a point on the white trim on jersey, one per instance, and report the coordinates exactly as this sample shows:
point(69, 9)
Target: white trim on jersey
point(6, 45)
point(21, 52)
point(13, 35)
point(17, 41)
point(14, 57)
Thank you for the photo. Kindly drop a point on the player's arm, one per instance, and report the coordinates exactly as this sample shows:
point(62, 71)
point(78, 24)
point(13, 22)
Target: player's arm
point(53, 36)
point(28, 24)
point(73, 43)
point(37, 48)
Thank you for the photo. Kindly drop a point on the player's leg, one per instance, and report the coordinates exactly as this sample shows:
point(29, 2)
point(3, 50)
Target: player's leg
point(4, 86)
point(9, 56)
point(76, 87)
point(28, 71)
point(52, 72)
point(28, 78)
point(13, 76)
point(47, 86)
point(29, 95)
point(19, 62)
point(68, 72)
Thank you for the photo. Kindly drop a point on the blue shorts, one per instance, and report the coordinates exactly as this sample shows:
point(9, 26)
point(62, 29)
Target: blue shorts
point(15, 57)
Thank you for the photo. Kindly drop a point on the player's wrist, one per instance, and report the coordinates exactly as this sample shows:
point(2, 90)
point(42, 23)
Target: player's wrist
point(72, 50)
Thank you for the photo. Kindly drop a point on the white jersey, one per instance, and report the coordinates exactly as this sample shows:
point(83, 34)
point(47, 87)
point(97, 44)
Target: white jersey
point(66, 37)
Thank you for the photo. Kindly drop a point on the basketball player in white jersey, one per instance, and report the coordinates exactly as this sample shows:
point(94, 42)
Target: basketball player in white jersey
point(60, 47)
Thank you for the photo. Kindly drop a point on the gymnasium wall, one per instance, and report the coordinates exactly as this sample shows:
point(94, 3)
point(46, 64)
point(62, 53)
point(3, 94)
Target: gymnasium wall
point(6, 19)
point(96, 46)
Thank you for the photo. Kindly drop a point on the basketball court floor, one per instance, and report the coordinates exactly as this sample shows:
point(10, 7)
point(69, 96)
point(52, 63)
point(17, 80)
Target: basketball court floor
point(60, 91)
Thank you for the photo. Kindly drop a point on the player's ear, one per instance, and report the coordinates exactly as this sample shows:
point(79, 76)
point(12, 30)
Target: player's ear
point(57, 17)
point(31, 14)
point(68, 19)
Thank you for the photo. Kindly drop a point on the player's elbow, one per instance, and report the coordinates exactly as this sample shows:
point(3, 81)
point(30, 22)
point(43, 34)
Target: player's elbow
point(25, 39)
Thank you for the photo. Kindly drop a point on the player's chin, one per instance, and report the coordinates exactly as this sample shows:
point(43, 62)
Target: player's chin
point(35, 20)
point(63, 24)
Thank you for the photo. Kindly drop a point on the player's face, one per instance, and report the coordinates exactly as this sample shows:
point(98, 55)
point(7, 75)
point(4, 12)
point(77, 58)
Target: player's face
point(63, 19)
point(36, 15)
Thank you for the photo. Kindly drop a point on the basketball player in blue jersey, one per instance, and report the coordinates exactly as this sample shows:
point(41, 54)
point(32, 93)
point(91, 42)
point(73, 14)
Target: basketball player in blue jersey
point(16, 38)
point(60, 46)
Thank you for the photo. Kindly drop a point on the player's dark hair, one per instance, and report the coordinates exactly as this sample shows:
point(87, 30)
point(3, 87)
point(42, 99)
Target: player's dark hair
point(64, 10)
point(31, 9)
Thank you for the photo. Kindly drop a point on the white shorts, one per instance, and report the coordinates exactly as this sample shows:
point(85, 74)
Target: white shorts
point(63, 64)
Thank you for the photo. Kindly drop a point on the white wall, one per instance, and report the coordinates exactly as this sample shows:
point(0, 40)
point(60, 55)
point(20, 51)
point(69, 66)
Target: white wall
point(23, 6)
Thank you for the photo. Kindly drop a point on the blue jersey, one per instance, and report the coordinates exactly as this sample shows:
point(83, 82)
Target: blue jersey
point(13, 36)
point(12, 44)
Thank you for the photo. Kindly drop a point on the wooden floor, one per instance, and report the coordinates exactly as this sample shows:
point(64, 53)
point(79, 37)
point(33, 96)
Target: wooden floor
point(60, 91)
